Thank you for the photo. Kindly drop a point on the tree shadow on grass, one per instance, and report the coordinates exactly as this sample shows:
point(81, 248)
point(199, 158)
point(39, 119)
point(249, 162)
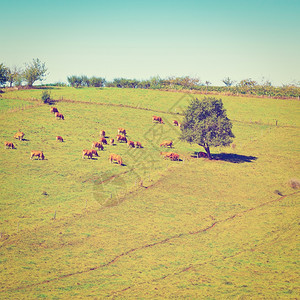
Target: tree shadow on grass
point(234, 158)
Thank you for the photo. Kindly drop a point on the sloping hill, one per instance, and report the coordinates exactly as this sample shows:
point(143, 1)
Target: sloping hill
point(73, 227)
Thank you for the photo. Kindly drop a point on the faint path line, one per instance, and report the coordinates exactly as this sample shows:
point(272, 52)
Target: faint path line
point(191, 266)
point(116, 258)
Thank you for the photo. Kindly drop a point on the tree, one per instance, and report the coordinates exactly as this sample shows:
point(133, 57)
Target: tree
point(46, 97)
point(13, 75)
point(206, 124)
point(247, 83)
point(85, 80)
point(97, 81)
point(75, 81)
point(36, 70)
point(227, 81)
point(3, 74)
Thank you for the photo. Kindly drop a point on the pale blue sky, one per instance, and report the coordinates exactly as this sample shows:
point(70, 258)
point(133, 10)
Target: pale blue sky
point(139, 39)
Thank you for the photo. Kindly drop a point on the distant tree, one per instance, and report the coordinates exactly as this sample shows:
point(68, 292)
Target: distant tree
point(97, 81)
point(85, 80)
point(3, 74)
point(19, 78)
point(14, 74)
point(247, 83)
point(227, 81)
point(144, 84)
point(206, 124)
point(155, 82)
point(75, 81)
point(36, 70)
point(71, 80)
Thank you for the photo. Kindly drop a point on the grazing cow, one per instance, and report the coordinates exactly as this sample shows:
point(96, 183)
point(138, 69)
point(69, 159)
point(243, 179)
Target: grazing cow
point(121, 138)
point(179, 125)
point(9, 145)
point(157, 119)
point(130, 144)
point(166, 144)
point(59, 116)
point(102, 133)
point(53, 110)
point(122, 130)
point(112, 141)
point(103, 140)
point(89, 153)
point(138, 145)
point(19, 135)
point(59, 138)
point(115, 157)
point(202, 154)
point(38, 154)
point(97, 145)
point(172, 155)
point(175, 123)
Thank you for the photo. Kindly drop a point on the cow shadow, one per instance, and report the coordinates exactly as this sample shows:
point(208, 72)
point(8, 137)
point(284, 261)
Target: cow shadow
point(234, 158)
point(25, 140)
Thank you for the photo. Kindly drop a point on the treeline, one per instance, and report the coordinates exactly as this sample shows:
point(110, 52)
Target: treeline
point(80, 81)
point(30, 73)
point(244, 87)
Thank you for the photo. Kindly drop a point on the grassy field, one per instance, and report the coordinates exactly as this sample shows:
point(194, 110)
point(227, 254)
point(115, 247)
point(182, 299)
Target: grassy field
point(73, 227)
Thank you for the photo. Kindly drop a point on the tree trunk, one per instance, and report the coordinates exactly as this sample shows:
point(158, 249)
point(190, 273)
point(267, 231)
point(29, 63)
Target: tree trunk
point(207, 151)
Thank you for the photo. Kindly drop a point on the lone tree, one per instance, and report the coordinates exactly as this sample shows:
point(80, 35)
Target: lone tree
point(34, 71)
point(206, 124)
point(227, 81)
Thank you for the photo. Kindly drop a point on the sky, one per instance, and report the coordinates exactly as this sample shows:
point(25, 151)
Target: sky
point(210, 40)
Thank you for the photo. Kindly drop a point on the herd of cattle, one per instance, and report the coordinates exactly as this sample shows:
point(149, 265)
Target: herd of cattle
point(89, 153)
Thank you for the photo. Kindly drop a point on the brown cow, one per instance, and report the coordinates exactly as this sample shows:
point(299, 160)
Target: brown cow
point(19, 135)
point(130, 144)
point(38, 154)
point(122, 130)
point(59, 138)
point(166, 144)
point(53, 110)
point(89, 153)
point(59, 116)
point(97, 145)
point(172, 155)
point(138, 145)
point(102, 133)
point(9, 145)
point(121, 138)
point(115, 157)
point(175, 122)
point(157, 119)
point(112, 141)
point(202, 154)
point(103, 140)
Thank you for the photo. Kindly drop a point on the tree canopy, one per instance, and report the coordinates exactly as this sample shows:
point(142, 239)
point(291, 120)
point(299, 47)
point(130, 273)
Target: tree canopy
point(206, 124)
point(36, 70)
point(3, 74)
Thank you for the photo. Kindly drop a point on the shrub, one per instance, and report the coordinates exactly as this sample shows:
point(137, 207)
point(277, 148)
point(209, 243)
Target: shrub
point(46, 97)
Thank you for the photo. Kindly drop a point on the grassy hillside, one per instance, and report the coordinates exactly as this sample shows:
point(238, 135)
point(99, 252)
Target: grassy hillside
point(73, 227)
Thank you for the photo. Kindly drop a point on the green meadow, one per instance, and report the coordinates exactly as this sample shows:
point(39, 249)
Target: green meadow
point(151, 228)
